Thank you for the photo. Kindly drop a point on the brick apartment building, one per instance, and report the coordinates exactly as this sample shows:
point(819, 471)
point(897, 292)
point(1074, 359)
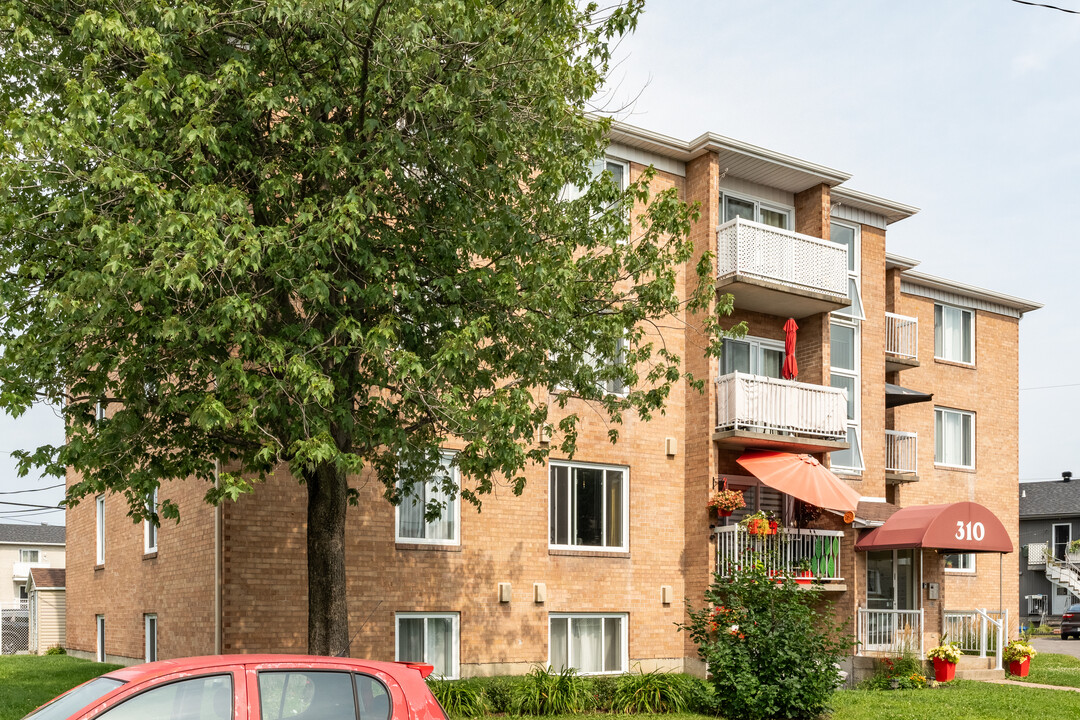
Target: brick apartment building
point(589, 567)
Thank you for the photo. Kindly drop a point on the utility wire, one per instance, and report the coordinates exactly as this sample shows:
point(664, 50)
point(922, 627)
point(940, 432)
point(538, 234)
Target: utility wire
point(42, 507)
point(1048, 7)
point(16, 492)
point(1052, 387)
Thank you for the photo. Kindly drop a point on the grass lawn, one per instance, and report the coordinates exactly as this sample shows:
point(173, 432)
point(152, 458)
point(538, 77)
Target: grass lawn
point(27, 681)
point(1053, 669)
point(959, 700)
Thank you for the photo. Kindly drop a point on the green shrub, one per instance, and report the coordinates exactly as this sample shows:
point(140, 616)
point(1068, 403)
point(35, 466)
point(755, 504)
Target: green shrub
point(771, 653)
point(906, 672)
point(498, 691)
point(56, 650)
point(700, 697)
point(650, 692)
point(602, 690)
point(545, 692)
point(460, 698)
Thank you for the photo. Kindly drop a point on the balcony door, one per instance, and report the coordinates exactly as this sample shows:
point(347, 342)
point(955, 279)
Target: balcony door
point(756, 356)
point(1062, 538)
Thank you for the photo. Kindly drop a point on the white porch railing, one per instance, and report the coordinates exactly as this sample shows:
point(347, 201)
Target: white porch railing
point(784, 553)
point(901, 335)
point(765, 404)
point(890, 631)
point(782, 257)
point(980, 631)
point(901, 451)
point(14, 627)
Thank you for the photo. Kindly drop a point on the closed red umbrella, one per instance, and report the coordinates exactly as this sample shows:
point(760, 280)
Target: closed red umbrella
point(790, 370)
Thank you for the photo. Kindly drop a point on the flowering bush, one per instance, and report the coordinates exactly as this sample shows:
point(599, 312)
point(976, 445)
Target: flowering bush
point(1018, 651)
point(947, 651)
point(771, 648)
point(904, 672)
point(727, 500)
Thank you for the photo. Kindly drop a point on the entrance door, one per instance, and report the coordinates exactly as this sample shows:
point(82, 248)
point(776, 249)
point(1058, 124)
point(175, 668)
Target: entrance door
point(892, 584)
point(1060, 600)
point(1062, 538)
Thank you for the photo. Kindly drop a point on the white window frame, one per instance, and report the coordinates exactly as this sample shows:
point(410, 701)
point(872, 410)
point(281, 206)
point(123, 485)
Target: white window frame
point(967, 564)
point(572, 192)
point(624, 546)
point(99, 504)
point(974, 443)
point(854, 424)
point(455, 622)
point(150, 530)
point(854, 275)
point(99, 411)
point(453, 506)
point(759, 204)
point(150, 628)
point(99, 648)
point(24, 555)
point(758, 346)
point(570, 617)
point(960, 309)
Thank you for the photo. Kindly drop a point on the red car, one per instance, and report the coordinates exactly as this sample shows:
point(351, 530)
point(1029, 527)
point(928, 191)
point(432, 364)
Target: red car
point(252, 687)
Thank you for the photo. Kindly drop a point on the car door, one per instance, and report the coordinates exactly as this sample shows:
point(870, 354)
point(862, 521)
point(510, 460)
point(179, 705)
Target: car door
point(214, 693)
point(323, 691)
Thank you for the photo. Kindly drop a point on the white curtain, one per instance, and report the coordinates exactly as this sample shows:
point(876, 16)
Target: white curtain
point(585, 644)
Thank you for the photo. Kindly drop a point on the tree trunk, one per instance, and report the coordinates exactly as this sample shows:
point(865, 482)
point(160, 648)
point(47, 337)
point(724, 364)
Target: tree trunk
point(328, 612)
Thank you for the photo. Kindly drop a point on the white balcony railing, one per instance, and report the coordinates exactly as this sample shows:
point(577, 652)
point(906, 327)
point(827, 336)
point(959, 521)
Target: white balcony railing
point(901, 451)
point(765, 404)
point(902, 336)
point(784, 554)
point(783, 257)
point(890, 631)
point(21, 570)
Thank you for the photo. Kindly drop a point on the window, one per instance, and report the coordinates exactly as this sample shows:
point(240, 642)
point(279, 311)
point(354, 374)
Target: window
point(29, 556)
point(411, 525)
point(750, 209)
point(150, 631)
point(756, 356)
point(954, 438)
point(22, 592)
point(307, 694)
point(590, 643)
point(954, 334)
point(100, 505)
point(99, 411)
point(100, 622)
point(960, 562)
point(844, 373)
point(429, 638)
point(614, 386)
point(849, 236)
point(150, 528)
point(620, 173)
point(200, 698)
point(587, 506)
point(64, 706)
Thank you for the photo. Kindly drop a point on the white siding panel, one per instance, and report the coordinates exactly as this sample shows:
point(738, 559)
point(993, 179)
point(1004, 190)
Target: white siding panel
point(956, 299)
point(644, 157)
point(858, 215)
point(739, 186)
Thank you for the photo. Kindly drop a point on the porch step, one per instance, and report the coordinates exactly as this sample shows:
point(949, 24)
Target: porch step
point(983, 675)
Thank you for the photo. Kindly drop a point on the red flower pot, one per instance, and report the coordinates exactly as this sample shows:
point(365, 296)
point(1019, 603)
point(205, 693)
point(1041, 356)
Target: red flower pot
point(804, 578)
point(1020, 668)
point(723, 513)
point(944, 671)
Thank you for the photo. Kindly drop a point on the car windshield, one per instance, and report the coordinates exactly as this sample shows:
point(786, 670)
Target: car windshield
point(66, 705)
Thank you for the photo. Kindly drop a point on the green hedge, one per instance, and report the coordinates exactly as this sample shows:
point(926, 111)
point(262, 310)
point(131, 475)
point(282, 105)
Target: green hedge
point(543, 693)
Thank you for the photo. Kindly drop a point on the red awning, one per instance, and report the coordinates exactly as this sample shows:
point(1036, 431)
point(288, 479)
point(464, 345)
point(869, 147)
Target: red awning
point(965, 527)
point(801, 476)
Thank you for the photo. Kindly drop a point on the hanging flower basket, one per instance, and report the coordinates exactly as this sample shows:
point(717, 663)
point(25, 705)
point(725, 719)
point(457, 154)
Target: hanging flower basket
point(724, 502)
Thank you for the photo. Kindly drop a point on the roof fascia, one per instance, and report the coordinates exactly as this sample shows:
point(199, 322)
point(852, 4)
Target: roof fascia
point(971, 291)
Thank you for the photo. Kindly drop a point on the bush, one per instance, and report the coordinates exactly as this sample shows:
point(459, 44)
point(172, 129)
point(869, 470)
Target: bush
point(770, 653)
point(460, 698)
point(56, 650)
point(906, 672)
point(545, 692)
point(602, 689)
point(650, 692)
point(498, 692)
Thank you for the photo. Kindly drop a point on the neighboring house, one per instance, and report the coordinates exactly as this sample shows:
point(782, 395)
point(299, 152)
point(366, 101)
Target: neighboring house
point(1049, 572)
point(47, 609)
point(23, 548)
point(590, 566)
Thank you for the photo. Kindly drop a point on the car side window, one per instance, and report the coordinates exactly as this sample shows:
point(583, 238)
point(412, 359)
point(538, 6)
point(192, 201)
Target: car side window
point(306, 695)
point(373, 698)
point(201, 698)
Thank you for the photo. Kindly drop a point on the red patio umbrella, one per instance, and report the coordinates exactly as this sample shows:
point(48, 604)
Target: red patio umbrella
point(790, 370)
point(801, 476)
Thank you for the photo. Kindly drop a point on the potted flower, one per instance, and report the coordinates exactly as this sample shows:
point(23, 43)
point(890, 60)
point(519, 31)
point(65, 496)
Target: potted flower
point(803, 575)
point(1018, 654)
point(725, 502)
point(945, 657)
point(761, 523)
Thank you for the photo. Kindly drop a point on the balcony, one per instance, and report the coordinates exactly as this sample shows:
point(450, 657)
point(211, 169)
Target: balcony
point(901, 342)
point(779, 272)
point(767, 413)
point(783, 554)
point(901, 457)
point(20, 571)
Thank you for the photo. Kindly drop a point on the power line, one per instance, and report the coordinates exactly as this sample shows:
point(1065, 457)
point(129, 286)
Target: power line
point(17, 492)
point(30, 522)
point(1052, 387)
point(42, 507)
point(1048, 7)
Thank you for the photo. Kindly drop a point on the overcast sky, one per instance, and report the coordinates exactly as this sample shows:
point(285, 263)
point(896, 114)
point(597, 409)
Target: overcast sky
point(967, 110)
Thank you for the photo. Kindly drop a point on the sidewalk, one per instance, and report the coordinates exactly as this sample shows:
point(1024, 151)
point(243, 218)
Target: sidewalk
point(1032, 685)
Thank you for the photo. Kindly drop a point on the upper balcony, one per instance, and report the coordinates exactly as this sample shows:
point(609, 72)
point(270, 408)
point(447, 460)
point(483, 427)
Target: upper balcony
point(901, 342)
point(763, 412)
point(779, 272)
point(901, 457)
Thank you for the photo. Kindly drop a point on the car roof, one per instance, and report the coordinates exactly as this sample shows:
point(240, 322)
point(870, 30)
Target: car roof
point(147, 671)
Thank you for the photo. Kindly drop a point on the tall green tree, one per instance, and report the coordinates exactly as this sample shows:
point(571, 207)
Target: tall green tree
point(326, 235)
